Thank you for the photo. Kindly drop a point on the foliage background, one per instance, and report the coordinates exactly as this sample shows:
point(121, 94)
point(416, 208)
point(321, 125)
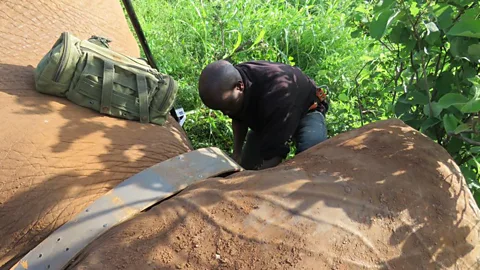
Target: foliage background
point(416, 60)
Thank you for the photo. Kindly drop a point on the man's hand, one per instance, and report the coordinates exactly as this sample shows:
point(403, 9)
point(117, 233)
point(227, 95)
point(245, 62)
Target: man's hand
point(269, 163)
point(237, 156)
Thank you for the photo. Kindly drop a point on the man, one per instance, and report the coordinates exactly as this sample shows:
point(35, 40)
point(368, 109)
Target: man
point(276, 101)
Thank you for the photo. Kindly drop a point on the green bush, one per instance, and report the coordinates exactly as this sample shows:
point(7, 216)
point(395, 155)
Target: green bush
point(206, 128)
point(432, 59)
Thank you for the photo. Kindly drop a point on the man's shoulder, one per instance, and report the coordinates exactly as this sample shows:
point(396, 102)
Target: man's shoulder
point(261, 63)
point(265, 70)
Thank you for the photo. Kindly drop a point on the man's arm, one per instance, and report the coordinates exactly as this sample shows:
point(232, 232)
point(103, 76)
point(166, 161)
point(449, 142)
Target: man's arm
point(281, 125)
point(270, 163)
point(239, 133)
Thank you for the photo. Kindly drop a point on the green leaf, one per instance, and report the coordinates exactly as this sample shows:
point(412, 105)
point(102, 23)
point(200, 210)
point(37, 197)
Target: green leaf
point(443, 84)
point(408, 117)
point(437, 109)
point(473, 106)
point(343, 97)
point(356, 33)
point(414, 10)
point(433, 34)
point(454, 145)
point(399, 34)
point(259, 38)
point(449, 122)
point(462, 2)
point(379, 26)
point(452, 99)
point(476, 84)
point(471, 13)
point(476, 163)
point(415, 97)
point(361, 9)
point(468, 27)
point(430, 122)
point(444, 15)
point(474, 52)
point(239, 41)
point(401, 108)
point(383, 5)
point(475, 150)
point(458, 46)
point(462, 128)
point(468, 71)
point(399, 88)
point(415, 123)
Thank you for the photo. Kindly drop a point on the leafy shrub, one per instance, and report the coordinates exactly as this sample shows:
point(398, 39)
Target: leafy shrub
point(432, 60)
point(207, 127)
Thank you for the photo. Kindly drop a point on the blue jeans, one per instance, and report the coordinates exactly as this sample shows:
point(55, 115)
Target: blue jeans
point(310, 131)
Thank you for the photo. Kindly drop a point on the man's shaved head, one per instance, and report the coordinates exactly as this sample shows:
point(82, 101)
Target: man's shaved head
point(218, 84)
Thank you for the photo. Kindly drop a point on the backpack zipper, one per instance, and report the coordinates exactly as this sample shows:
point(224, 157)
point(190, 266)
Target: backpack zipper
point(169, 92)
point(63, 58)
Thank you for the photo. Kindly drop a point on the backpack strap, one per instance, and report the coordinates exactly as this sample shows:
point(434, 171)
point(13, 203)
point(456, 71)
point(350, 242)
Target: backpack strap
point(143, 98)
point(107, 87)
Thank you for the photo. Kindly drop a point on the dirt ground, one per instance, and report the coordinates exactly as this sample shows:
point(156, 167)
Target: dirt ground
point(383, 196)
point(57, 157)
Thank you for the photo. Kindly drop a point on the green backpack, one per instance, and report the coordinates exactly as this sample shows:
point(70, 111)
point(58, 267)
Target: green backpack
point(91, 75)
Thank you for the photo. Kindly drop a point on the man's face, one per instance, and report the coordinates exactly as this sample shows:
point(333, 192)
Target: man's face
point(232, 100)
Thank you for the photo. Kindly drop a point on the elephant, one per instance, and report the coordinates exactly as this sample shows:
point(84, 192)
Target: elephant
point(380, 196)
point(57, 157)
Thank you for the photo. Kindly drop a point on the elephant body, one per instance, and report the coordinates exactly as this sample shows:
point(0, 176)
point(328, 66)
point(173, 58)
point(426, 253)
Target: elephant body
point(382, 196)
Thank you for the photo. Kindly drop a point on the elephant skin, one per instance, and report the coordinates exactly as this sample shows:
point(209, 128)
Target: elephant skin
point(383, 196)
point(57, 157)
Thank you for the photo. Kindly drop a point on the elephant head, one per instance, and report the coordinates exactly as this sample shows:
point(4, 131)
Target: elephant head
point(382, 196)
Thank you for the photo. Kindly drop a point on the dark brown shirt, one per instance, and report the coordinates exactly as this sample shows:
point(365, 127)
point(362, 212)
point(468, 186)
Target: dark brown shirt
point(277, 96)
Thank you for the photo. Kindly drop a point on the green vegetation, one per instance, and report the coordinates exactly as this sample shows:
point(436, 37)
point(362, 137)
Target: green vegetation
point(416, 60)
point(432, 59)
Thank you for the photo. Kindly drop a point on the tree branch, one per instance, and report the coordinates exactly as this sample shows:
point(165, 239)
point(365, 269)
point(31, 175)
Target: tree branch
point(462, 11)
point(360, 107)
point(413, 66)
point(437, 67)
point(386, 46)
point(427, 87)
point(465, 139)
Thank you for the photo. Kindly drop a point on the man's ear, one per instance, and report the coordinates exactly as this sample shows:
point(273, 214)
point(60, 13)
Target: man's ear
point(240, 86)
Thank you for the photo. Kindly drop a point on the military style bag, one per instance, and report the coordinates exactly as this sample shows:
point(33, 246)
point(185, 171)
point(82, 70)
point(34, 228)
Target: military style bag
point(91, 75)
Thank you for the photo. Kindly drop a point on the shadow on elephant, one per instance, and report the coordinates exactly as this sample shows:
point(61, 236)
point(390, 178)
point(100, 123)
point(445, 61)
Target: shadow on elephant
point(59, 157)
point(385, 178)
